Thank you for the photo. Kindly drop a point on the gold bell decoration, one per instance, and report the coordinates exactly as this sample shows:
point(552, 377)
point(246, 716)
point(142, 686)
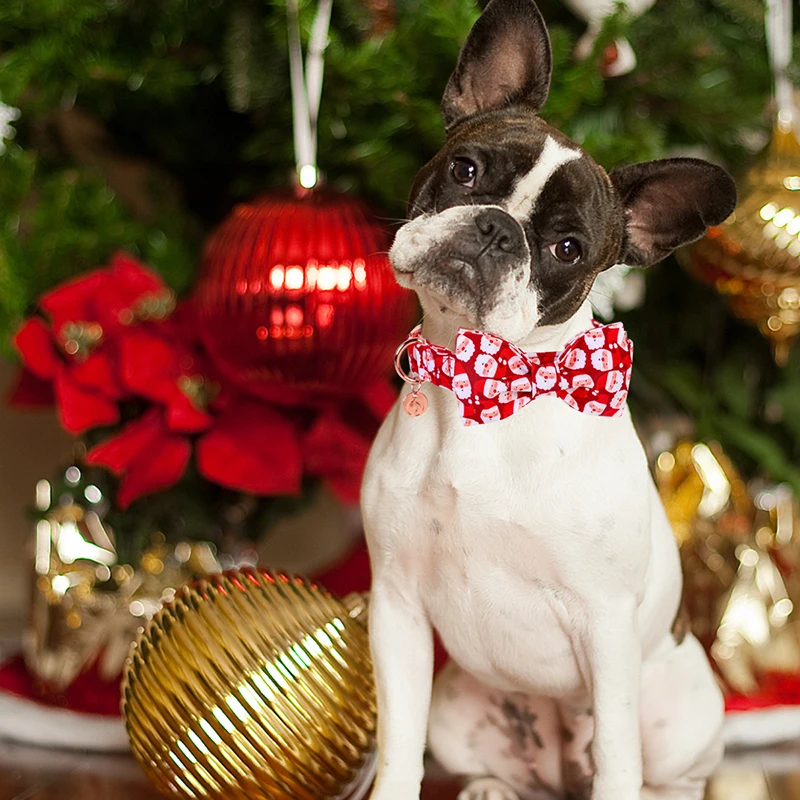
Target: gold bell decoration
point(254, 684)
point(753, 258)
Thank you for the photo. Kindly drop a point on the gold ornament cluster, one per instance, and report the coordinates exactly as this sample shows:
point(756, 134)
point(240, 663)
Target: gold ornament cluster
point(753, 258)
point(87, 604)
point(254, 684)
point(740, 550)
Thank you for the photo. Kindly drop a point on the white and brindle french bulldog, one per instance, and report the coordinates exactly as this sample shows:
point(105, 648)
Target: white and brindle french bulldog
point(535, 546)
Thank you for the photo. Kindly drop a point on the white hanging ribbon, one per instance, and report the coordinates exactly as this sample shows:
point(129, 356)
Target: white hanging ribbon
point(307, 87)
point(779, 46)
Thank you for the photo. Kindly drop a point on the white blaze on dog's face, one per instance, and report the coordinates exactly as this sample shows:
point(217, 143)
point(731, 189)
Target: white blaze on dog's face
point(511, 220)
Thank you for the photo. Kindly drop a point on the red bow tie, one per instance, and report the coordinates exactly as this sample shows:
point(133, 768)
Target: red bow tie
point(492, 378)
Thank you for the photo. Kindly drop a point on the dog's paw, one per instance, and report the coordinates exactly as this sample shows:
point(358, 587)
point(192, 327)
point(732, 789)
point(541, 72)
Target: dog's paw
point(488, 789)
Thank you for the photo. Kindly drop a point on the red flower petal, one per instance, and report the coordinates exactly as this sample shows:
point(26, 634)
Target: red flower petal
point(127, 281)
point(79, 409)
point(134, 278)
point(98, 374)
point(336, 452)
point(184, 417)
point(31, 391)
point(34, 341)
point(161, 466)
point(149, 364)
point(346, 489)
point(120, 451)
point(74, 300)
point(252, 448)
point(146, 454)
point(99, 296)
point(152, 366)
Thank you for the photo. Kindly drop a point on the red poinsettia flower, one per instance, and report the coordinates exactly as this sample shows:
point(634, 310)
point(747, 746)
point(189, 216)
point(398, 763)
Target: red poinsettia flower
point(240, 442)
point(161, 364)
point(73, 346)
point(91, 346)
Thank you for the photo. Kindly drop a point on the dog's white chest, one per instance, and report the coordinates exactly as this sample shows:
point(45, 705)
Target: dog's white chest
point(498, 523)
point(496, 604)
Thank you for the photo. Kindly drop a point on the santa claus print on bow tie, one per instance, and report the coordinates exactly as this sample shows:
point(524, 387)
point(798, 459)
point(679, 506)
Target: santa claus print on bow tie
point(493, 378)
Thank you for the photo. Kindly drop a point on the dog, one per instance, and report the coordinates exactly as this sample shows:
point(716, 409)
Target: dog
point(536, 545)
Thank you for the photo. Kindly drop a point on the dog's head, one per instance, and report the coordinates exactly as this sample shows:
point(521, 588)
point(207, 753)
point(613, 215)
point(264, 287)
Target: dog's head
point(511, 221)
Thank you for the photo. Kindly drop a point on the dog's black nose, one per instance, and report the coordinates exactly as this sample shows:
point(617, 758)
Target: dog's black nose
point(498, 229)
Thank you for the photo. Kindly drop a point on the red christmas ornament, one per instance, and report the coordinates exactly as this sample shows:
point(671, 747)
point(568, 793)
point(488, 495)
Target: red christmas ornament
point(296, 293)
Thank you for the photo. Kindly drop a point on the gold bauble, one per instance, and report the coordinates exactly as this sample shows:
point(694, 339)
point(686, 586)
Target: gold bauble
point(254, 684)
point(753, 258)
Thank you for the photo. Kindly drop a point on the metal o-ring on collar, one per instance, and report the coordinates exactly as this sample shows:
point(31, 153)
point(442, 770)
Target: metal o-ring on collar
point(398, 366)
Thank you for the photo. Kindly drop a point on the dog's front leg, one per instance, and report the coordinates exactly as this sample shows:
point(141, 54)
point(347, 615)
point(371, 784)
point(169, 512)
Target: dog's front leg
point(615, 658)
point(402, 654)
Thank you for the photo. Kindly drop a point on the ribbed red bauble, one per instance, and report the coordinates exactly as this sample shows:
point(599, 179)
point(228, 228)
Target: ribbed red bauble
point(296, 292)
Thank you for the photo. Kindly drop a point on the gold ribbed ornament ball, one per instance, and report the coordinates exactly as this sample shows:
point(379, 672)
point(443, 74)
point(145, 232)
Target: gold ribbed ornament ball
point(254, 684)
point(753, 258)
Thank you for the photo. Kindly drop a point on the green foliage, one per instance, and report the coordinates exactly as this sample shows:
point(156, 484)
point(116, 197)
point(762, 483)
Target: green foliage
point(196, 95)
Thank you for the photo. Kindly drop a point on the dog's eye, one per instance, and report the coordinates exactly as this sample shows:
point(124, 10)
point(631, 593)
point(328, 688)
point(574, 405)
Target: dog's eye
point(568, 250)
point(464, 171)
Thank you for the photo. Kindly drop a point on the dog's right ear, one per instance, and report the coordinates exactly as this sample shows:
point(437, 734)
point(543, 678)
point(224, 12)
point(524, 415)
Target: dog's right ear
point(505, 60)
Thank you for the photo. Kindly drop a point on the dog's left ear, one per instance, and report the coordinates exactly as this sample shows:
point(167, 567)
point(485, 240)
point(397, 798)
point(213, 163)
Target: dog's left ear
point(670, 203)
point(505, 60)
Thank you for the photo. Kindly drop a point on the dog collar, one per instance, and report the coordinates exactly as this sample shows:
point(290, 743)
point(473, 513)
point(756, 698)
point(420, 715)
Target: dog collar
point(493, 378)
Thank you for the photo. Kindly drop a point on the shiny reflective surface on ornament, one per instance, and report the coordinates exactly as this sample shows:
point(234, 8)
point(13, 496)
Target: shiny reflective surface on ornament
point(753, 258)
point(702, 491)
point(87, 606)
point(299, 291)
point(740, 559)
point(254, 685)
